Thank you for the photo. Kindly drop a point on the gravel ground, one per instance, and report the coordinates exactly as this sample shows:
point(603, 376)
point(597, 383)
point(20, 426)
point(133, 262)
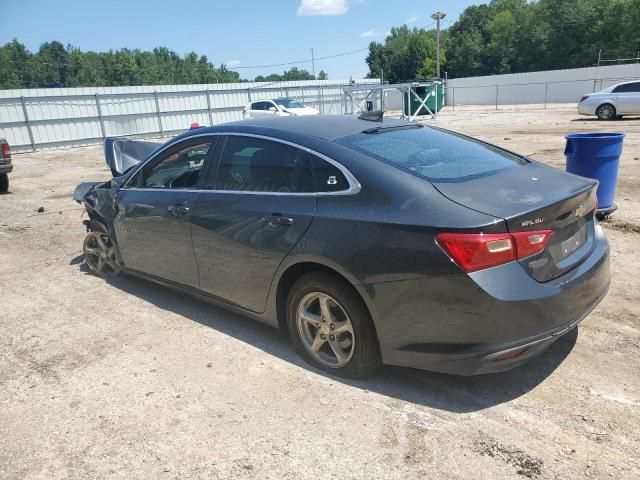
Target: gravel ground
point(126, 379)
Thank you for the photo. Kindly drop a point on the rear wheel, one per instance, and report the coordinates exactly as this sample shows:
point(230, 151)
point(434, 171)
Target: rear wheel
point(4, 182)
point(100, 254)
point(606, 112)
point(331, 327)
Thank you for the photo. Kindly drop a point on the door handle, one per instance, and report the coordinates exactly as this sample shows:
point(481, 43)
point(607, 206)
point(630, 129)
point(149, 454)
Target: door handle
point(178, 209)
point(277, 220)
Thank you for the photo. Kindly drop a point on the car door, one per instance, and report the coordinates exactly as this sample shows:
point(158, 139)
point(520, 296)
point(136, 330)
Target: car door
point(628, 99)
point(153, 227)
point(272, 109)
point(258, 109)
point(254, 209)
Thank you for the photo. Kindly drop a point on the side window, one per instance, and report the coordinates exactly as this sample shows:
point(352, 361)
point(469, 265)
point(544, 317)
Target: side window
point(257, 106)
point(627, 88)
point(180, 169)
point(259, 165)
point(327, 177)
point(634, 87)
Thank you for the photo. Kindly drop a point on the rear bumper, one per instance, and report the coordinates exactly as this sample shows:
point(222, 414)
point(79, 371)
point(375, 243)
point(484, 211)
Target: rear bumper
point(466, 324)
point(586, 109)
point(6, 168)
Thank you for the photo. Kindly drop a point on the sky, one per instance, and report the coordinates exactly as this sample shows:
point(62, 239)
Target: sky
point(240, 33)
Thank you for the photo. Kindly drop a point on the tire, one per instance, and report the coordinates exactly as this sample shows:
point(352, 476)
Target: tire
point(4, 182)
point(606, 111)
point(349, 328)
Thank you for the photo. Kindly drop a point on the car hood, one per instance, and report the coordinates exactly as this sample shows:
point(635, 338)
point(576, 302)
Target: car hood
point(302, 111)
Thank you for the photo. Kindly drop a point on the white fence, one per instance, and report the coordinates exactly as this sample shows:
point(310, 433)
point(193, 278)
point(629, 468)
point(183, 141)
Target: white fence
point(31, 119)
point(551, 86)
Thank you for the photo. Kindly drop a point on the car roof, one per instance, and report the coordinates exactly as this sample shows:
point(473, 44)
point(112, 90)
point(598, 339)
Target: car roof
point(326, 127)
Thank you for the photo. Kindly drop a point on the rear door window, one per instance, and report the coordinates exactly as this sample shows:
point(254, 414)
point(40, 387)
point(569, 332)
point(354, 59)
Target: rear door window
point(259, 165)
point(433, 154)
point(627, 88)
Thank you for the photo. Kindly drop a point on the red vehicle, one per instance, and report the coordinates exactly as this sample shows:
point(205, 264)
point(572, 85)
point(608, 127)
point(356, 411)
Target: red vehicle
point(5, 165)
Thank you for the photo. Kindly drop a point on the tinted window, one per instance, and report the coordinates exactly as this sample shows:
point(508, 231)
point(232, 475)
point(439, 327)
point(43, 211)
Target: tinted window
point(327, 177)
point(288, 103)
point(179, 170)
point(258, 106)
point(633, 87)
point(627, 88)
point(255, 164)
point(433, 154)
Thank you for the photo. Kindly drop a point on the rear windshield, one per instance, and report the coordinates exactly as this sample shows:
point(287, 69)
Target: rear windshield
point(433, 154)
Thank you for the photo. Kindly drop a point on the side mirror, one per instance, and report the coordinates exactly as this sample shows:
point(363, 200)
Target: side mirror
point(273, 109)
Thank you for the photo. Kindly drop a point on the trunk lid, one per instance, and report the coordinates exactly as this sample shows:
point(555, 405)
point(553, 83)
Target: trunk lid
point(536, 197)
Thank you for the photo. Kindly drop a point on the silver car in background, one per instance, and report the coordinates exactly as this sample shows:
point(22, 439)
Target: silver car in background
point(612, 102)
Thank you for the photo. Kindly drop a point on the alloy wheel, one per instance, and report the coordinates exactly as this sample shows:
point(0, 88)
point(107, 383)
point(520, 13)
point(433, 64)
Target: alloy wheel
point(100, 254)
point(325, 329)
point(606, 112)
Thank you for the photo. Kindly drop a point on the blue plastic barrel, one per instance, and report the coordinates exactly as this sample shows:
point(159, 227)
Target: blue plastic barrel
point(596, 155)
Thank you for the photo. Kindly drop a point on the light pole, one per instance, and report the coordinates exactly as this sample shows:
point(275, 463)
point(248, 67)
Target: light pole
point(313, 64)
point(437, 17)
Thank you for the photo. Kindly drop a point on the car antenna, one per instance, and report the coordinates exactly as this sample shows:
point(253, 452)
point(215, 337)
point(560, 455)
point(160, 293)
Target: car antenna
point(373, 116)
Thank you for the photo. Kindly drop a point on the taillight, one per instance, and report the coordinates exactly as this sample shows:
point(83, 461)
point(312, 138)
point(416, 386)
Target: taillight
point(6, 151)
point(583, 98)
point(531, 243)
point(477, 251)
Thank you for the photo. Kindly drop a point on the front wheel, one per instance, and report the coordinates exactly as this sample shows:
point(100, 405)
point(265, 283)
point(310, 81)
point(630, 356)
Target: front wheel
point(606, 112)
point(331, 327)
point(100, 254)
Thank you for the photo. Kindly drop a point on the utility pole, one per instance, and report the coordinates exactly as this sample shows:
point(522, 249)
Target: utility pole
point(313, 64)
point(437, 17)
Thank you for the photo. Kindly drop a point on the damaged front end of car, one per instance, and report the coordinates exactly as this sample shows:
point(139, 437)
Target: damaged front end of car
point(100, 247)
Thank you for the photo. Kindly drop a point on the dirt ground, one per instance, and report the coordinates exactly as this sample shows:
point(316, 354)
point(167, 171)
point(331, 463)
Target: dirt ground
point(125, 379)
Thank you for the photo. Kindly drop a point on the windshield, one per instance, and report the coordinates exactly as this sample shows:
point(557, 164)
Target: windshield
point(288, 103)
point(433, 154)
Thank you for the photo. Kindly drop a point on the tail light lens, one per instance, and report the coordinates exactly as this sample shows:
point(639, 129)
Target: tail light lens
point(531, 243)
point(583, 98)
point(477, 251)
point(6, 151)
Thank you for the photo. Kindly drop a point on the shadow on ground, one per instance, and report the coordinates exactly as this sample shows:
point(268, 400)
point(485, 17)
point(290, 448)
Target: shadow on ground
point(439, 391)
point(606, 122)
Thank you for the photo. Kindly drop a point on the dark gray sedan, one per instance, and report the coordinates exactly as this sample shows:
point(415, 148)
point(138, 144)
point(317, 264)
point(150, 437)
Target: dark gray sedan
point(371, 241)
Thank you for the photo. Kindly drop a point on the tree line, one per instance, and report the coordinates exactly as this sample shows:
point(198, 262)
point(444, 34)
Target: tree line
point(55, 65)
point(510, 36)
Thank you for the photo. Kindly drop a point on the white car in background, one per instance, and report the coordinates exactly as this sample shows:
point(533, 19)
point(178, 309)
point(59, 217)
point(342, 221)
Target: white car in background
point(612, 102)
point(278, 107)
